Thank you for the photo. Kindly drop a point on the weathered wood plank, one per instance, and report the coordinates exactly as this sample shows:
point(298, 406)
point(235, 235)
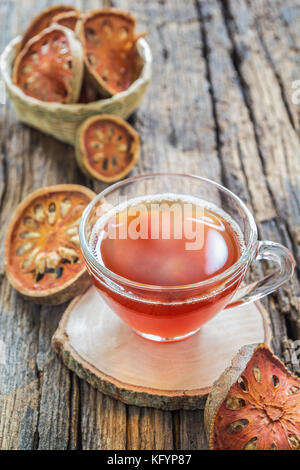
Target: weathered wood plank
point(148, 428)
point(189, 430)
point(273, 17)
point(103, 421)
point(276, 139)
point(218, 106)
point(55, 387)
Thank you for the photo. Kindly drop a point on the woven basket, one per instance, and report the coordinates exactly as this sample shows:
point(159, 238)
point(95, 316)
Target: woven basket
point(62, 120)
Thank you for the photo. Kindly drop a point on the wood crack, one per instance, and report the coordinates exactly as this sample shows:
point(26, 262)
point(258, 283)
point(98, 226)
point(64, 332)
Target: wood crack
point(36, 438)
point(79, 430)
point(165, 24)
point(276, 74)
point(175, 426)
point(4, 176)
point(172, 136)
point(205, 54)
point(74, 410)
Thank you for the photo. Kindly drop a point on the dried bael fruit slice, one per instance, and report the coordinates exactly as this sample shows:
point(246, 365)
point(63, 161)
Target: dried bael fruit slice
point(43, 20)
point(68, 19)
point(254, 405)
point(110, 52)
point(107, 148)
point(42, 254)
point(50, 67)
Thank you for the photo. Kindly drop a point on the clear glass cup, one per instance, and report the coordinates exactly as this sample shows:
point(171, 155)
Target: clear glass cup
point(163, 313)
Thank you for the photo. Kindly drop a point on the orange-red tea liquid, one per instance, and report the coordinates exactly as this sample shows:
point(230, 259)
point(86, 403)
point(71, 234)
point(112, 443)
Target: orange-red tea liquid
point(167, 243)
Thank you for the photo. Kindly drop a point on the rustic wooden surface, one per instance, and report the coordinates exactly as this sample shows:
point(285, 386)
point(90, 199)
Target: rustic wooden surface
point(220, 105)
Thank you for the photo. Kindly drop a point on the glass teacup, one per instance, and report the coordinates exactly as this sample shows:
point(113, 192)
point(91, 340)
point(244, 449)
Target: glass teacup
point(174, 312)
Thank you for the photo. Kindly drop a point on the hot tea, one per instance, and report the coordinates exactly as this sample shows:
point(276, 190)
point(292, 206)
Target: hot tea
point(170, 242)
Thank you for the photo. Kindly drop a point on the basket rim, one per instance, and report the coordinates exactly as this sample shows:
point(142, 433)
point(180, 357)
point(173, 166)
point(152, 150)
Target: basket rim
point(9, 54)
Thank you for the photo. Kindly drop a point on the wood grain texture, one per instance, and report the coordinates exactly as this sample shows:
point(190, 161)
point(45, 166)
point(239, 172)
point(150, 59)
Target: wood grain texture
point(219, 105)
point(97, 345)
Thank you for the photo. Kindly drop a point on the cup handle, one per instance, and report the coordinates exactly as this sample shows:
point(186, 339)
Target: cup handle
point(269, 251)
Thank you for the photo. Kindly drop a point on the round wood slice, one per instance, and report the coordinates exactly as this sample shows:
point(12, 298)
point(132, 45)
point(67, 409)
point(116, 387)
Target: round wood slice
point(103, 350)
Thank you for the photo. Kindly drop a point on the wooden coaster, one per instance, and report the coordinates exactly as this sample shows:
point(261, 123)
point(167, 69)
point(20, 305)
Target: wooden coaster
point(103, 350)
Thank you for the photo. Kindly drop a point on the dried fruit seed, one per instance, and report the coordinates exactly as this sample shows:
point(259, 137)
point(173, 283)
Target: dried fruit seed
point(65, 206)
point(39, 213)
point(235, 403)
point(107, 148)
point(257, 373)
point(275, 381)
point(53, 260)
point(75, 240)
point(243, 382)
point(29, 235)
point(237, 426)
point(99, 134)
point(72, 231)
point(294, 442)
point(251, 445)
point(30, 223)
point(40, 263)
point(52, 213)
point(30, 259)
point(22, 249)
point(68, 253)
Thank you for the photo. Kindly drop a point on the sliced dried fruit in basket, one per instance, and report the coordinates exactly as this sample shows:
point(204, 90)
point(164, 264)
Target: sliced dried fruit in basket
point(107, 148)
point(68, 19)
point(42, 253)
point(254, 405)
point(50, 67)
point(43, 20)
point(110, 53)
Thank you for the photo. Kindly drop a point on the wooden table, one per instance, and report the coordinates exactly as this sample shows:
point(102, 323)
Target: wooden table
point(220, 105)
